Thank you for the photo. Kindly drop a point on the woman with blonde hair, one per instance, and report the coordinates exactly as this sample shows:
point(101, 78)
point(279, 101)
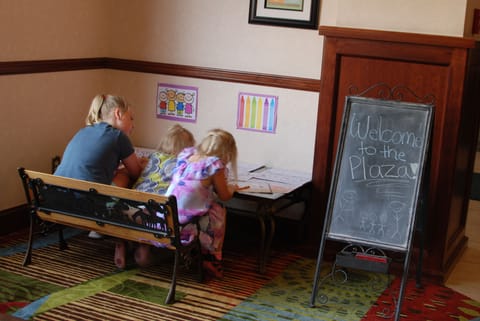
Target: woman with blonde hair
point(96, 151)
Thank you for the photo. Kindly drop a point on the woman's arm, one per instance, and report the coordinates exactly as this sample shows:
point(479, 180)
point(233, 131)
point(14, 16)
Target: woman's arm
point(132, 169)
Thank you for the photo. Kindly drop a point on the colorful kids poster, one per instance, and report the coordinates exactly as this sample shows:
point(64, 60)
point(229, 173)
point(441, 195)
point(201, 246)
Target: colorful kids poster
point(257, 112)
point(177, 102)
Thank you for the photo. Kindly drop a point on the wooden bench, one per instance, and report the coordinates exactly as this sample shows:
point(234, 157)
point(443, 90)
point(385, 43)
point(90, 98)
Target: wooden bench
point(102, 208)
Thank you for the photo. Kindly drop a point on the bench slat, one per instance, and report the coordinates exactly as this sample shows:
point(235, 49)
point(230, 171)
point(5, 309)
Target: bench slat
point(107, 229)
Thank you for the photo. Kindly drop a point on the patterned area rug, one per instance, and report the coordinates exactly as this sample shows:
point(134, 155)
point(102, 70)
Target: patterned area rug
point(81, 283)
point(287, 297)
point(431, 302)
point(361, 296)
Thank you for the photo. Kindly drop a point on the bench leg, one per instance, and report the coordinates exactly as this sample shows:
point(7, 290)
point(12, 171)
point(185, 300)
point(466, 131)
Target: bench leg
point(28, 254)
point(200, 264)
point(173, 284)
point(61, 240)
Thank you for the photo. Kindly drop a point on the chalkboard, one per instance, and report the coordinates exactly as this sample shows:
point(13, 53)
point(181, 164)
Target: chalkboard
point(378, 169)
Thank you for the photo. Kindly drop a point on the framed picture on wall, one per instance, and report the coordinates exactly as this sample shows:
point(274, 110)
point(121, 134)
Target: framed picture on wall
point(286, 13)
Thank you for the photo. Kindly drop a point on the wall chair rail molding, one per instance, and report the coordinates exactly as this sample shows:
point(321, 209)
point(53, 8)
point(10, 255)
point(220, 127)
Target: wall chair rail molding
point(39, 66)
point(56, 65)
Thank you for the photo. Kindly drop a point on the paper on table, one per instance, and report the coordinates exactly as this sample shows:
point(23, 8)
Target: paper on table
point(265, 180)
point(144, 152)
point(283, 176)
point(255, 186)
point(245, 170)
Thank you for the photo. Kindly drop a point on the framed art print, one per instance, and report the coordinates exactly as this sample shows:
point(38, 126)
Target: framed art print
point(286, 13)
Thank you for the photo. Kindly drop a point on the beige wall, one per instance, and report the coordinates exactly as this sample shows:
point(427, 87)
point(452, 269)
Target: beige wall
point(471, 5)
point(212, 34)
point(290, 147)
point(54, 29)
point(441, 17)
point(42, 111)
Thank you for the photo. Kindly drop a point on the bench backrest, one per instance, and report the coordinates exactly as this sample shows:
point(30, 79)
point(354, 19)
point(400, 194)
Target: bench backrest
point(87, 205)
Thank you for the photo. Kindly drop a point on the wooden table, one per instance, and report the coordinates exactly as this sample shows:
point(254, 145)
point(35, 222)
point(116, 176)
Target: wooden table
point(273, 192)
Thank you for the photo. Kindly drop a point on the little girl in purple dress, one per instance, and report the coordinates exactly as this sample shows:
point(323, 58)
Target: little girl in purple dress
point(199, 179)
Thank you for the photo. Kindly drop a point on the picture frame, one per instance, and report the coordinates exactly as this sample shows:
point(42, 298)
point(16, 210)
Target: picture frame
point(285, 13)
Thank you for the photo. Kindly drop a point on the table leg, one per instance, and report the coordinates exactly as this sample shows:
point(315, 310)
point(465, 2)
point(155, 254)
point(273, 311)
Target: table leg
point(261, 250)
point(268, 243)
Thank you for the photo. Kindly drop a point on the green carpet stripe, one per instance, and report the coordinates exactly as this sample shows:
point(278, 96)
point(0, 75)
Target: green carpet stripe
point(15, 288)
point(287, 296)
point(84, 290)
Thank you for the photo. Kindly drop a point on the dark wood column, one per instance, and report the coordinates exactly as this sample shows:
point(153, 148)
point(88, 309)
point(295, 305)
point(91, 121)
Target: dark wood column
point(415, 68)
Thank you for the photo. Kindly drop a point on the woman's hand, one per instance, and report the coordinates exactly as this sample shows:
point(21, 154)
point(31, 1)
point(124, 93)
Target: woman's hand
point(143, 161)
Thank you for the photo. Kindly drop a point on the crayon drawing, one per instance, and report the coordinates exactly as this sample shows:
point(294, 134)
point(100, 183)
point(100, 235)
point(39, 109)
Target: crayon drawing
point(257, 112)
point(177, 102)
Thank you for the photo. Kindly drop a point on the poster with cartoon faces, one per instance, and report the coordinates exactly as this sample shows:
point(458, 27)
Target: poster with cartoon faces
point(177, 102)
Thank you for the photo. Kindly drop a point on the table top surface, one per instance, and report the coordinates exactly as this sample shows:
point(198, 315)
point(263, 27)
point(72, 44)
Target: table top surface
point(270, 183)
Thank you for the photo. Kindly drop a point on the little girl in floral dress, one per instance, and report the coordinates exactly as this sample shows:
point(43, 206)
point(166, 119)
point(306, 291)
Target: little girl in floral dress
point(199, 179)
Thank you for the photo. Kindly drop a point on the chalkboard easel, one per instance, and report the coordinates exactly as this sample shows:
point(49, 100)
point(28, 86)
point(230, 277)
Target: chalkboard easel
point(376, 182)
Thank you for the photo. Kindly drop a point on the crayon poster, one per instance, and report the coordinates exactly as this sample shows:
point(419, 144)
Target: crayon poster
point(177, 102)
point(257, 112)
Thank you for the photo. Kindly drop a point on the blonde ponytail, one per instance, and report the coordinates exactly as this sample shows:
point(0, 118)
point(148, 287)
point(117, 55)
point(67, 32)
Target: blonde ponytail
point(102, 107)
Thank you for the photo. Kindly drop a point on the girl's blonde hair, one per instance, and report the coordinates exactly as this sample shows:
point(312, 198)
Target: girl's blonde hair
point(220, 143)
point(176, 139)
point(102, 107)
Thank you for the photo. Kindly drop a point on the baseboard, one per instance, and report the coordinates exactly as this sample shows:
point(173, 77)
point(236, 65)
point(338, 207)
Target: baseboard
point(13, 219)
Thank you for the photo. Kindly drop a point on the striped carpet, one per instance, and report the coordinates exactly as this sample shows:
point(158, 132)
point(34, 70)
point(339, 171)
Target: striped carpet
point(82, 283)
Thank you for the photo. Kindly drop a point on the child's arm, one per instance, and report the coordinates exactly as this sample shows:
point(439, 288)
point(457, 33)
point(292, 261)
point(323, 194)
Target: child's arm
point(222, 188)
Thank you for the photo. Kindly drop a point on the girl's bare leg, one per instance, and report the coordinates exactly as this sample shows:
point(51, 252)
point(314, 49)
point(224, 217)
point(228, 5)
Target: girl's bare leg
point(143, 255)
point(120, 254)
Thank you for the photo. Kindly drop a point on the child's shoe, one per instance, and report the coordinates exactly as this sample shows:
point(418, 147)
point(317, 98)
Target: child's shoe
point(95, 235)
point(213, 268)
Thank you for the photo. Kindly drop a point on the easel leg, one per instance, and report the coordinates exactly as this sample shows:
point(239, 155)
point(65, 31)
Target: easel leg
point(317, 274)
point(402, 286)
